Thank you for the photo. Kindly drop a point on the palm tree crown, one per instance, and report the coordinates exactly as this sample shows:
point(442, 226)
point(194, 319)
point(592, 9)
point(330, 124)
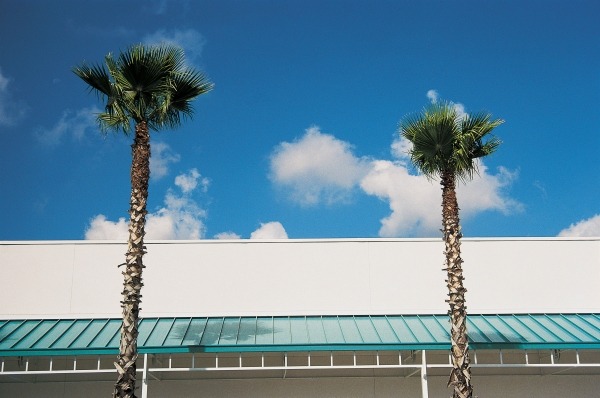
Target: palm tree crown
point(150, 84)
point(446, 141)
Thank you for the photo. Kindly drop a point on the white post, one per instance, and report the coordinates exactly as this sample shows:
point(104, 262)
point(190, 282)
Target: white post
point(424, 388)
point(145, 377)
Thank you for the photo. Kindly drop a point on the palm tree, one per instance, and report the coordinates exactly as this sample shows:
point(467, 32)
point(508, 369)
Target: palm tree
point(445, 145)
point(150, 87)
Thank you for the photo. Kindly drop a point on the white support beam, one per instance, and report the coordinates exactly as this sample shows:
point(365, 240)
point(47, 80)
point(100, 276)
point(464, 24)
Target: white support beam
point(424, 386)
point(145, 378)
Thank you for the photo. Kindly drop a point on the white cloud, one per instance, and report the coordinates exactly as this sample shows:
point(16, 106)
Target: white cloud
point(100, 228)
point(11, 110)
point(227, 235)
point(162, 156)
point(400, 149)
point(320, 168)
point(317, 168)
point(270, 230)
point(433, 96)
point(415, 201)
point(486, 192)
point(188, 182)
point(190, 40)
point(584, 228)
point(412, 199)
point(73, 124)
point(180, 217)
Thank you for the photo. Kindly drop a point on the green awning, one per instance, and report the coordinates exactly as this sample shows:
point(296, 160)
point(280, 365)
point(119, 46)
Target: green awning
point(58, 337)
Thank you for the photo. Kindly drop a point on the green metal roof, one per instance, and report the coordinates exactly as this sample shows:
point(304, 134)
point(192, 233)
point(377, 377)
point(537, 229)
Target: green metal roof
point(298, 333)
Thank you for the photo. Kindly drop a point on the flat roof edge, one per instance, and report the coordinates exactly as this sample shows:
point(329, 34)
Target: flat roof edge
point(307, 240)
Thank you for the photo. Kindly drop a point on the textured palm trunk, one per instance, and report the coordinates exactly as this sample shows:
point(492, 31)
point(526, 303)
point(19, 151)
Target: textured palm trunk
point(460, 377)
point(132, 285)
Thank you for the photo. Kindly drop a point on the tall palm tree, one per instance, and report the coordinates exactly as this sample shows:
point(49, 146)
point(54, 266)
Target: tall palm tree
point(151, 88)
point(445, 145)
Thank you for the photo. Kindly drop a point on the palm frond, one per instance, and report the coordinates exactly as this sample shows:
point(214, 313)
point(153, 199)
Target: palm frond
point(95, 76)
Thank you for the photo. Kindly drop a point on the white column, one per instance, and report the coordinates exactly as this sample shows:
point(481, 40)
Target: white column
point(145, 378)
point(424, 388)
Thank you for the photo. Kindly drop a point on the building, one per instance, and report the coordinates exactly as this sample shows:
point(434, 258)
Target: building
point(302, 318)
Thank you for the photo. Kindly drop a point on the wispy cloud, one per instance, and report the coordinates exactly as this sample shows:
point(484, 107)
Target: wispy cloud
point(190, 40)
point(584, 228)
point(11, 110)
point(433, 96)
point(180, 217)
point(71, 124)
point(317, 168)
point(160, 160)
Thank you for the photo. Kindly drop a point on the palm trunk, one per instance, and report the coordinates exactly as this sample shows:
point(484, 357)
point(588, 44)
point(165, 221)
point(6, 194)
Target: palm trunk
point(132, 285)
point(460, 377)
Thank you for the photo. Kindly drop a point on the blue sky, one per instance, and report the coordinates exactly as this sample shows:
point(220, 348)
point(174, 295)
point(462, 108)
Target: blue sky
point(299, 138)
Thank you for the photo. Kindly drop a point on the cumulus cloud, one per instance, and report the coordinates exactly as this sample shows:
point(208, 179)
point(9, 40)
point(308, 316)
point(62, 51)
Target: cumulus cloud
point(188, 182)
point(179, 218)
point(160, 160)
point(413, 199)
point(227, 235)
point(270, 230)
point(317, 168)
point(71, 124)
point(11, 110)
point(487, 192)
point(100, 228)
point(585, 228)
point(190, 40)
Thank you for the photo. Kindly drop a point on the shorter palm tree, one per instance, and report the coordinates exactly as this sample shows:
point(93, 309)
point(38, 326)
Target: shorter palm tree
point(446, 145)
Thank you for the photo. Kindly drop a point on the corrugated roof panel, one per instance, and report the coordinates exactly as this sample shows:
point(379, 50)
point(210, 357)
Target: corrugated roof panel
point(264, 331)
point(350, 330)
point(298, 333)
point(247, 332)
point(177, 333)
point(75, 330)
point(195, 331)
point(437, 330)
point(212, 332)
point(316, 330)
point(584, 322)
point(29, 339)
point(384, 330)
point(109, 331)
point(367, 329)
point(333, 330)
point(282, 331)
point(87, 334)
point(402, 330)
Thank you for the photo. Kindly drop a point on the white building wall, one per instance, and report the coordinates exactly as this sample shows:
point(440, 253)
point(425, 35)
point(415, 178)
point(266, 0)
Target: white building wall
point(556, 386)
point(294, 277)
